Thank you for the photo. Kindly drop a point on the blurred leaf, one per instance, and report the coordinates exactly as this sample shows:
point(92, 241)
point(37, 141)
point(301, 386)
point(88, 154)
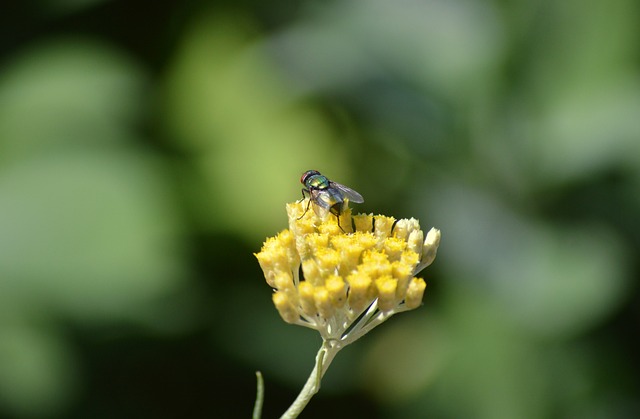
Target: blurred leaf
point(91, 234)
point(589, 131)
point(447, 46)
point(37, 372)
point(403, 359)
point(492, 370)
point(250, 139)
point(580, 46)
point(66, 93)
point(556, 281)
point(582, 90)
point(88, 227)
point(562, 282)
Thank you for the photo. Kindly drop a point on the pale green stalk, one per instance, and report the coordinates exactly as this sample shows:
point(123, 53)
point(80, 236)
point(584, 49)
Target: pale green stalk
point(323, 359)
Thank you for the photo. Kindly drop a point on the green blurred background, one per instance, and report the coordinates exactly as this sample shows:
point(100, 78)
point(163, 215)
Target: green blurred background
point(147, 149)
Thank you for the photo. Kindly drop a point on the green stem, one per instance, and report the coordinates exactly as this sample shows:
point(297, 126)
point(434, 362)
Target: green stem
point(257, 407)
point(323, 359)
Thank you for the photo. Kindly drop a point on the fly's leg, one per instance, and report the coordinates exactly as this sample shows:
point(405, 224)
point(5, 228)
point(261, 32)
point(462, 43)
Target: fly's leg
point(337, 213)
point(308, 203)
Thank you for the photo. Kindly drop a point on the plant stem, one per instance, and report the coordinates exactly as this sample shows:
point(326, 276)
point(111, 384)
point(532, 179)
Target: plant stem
point(257, 408)
point(323, 359)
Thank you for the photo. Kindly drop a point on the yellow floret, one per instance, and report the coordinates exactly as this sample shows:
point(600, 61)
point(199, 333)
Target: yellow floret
point(317, 241)
point(430, 248)
point(386, 287)
point(283, 281)
point(311, 271)
point(350, 251)
point(330, 227)
point(328, 260)
point(363, 222)
point(287, 311)
point(361, 291)
point(337, 290)
point(375, 264)
point(415, 293)
point(323, 302)
point(404, 227)
point(382, 226)
point(415, 241)
point(394, 247)
point(307, 302)
point(402, 274)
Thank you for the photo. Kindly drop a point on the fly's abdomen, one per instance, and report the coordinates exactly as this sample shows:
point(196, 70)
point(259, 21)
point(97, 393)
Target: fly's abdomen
point(335, 201)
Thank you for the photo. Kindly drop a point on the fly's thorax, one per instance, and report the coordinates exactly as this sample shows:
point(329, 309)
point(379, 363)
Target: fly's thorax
point(317, 182)
point(312, 179)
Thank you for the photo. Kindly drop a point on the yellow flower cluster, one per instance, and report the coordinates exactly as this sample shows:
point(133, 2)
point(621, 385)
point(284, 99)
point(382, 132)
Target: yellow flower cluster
point(344, 283)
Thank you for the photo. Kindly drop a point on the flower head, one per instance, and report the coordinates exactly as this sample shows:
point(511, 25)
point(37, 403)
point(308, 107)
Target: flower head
point(343, 282)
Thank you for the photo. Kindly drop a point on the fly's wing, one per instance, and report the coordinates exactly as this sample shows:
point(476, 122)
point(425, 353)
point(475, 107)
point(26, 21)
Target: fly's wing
point(349, 193)
point(322, 202)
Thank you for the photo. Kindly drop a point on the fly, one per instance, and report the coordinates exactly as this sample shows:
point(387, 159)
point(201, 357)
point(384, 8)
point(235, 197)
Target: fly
point(327, 196)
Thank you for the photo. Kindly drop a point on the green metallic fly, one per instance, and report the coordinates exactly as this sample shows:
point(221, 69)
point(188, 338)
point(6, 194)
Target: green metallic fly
point(327, 196)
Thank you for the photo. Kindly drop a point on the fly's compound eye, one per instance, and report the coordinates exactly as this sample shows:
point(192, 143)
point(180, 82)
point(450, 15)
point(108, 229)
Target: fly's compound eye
point(305, 175)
